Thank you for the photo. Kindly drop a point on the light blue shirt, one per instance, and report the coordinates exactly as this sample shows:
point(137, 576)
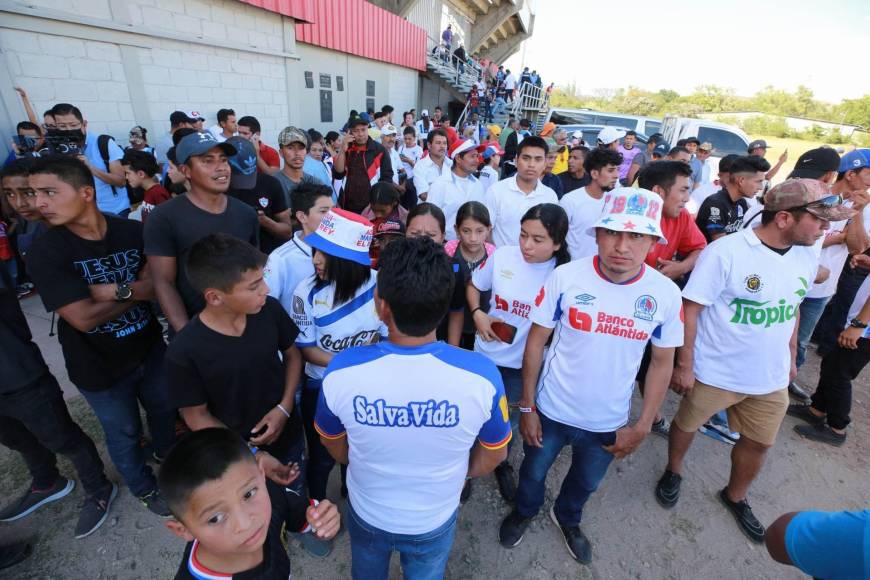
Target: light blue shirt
point(107, 200)
point(834, 546)
point(318, 170)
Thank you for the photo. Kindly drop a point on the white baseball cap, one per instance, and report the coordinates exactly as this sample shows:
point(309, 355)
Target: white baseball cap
point(425, 112)
point(343, 234)
point(389, 130)
point(610, 134)
point(633, 210)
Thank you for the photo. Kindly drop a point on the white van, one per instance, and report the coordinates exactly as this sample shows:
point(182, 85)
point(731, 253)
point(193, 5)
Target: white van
point(726, 139)
point(645, 125)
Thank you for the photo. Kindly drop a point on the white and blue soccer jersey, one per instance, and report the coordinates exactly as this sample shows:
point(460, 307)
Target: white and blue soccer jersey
point(411, 416)
point(601, 330)
point(334, 328)
point(287, 266)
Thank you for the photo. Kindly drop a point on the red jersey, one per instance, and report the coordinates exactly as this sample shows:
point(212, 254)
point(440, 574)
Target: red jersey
point(269, 155)
point(683, 236)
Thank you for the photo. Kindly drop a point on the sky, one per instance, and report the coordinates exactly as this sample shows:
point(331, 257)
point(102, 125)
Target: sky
point(670, 44)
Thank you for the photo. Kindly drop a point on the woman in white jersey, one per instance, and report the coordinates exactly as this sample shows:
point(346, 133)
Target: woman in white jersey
point(515, 276)
point(334, 310)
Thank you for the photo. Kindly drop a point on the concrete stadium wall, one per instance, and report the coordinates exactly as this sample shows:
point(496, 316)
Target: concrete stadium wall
point(132, 62)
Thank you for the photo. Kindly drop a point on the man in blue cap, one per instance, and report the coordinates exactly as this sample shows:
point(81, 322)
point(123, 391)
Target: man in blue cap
point(179, 223)
point(260, 191)
point(843, 239)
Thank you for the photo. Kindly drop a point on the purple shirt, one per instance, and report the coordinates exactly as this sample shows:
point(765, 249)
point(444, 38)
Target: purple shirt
point(627, 157)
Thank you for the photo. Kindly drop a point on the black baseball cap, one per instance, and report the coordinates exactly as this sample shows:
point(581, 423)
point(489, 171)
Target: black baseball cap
point(179, 117)
point(356, 120)
point(694, 140)
point(814, 163)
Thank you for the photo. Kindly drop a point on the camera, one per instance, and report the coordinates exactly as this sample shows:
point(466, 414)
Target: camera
point(25, 144)
point(70, 143)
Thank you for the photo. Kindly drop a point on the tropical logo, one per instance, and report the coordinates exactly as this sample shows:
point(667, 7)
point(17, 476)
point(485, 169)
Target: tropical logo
point(764, 313)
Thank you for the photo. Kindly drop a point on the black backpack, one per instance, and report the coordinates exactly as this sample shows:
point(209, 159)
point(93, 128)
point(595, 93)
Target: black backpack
point(134, 195)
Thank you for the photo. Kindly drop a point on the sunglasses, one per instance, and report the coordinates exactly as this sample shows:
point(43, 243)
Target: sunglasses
point(824, 203)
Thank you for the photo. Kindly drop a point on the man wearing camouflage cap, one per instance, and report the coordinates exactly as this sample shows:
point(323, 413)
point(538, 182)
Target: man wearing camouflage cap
point(741, 305)
point(293, 147)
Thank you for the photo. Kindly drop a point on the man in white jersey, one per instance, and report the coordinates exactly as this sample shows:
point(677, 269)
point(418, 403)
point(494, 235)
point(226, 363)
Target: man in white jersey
point(843, 239)
point(741, 305)
point(436, 164)
point(509, 199)
point(412, 418)
point(601, 311)
point(584, 205)
point(458, 186)
point(290, 263)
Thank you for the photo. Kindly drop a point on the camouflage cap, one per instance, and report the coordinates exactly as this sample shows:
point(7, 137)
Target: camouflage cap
point(292, 135)
point(810, 194)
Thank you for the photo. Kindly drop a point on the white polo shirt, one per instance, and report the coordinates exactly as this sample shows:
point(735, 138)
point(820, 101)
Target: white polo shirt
point(507, 204)
point(583, 211)
point(752, 296)
point(449, 192)
point(287, 266)
point(514, 284)
point(426, 172)
point(411, 416)
point(834, 257)
point(601, 331)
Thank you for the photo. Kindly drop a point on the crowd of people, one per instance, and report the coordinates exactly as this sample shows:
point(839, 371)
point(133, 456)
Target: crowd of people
point(409, 302)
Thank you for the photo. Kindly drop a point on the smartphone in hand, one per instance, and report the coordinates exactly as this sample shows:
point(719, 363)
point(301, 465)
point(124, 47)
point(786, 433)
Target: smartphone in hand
point(504, 331)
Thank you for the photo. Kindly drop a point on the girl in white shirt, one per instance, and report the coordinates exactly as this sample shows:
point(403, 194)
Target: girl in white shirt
point(334, 310)
point(515, 276)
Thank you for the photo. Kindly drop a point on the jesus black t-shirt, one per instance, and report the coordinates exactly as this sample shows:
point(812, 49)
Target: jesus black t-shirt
point(174, 226)
point(267, 196)
point(239, 378)
point(63, 265)
point(288, 515)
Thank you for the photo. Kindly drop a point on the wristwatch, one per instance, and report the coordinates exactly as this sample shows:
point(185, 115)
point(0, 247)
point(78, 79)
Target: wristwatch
point(123, 292)
point(855, 323)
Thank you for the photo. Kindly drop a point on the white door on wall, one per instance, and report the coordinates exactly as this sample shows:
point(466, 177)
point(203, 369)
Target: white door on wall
point(402, 91)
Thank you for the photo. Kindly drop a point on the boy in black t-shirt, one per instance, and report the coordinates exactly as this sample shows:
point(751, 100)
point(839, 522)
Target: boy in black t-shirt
point(232, 517)
point(224, 366)
point(90, 269)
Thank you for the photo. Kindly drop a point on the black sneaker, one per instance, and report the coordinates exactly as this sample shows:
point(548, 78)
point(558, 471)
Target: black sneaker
point(803, 412)
point(507, 482)
point(575, 540)
point(512, 530)
point(798, 393)
point(156, 504)
point(822, 433)
point(33, 499)
point(95, 510)
point(15, 553)
point(744, 516)
point(668, 489)
point(466, 491)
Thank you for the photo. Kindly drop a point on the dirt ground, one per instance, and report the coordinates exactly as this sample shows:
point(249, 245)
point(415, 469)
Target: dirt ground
point(632, 536)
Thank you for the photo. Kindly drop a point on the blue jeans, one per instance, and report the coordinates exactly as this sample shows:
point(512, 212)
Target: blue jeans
point(117, 409)
point(589, 462)
point(811, 311)
point(423, 556)
point(513, 390)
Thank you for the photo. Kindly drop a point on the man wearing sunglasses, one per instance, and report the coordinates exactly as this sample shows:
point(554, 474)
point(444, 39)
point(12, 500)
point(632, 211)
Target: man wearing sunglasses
point(741, 305)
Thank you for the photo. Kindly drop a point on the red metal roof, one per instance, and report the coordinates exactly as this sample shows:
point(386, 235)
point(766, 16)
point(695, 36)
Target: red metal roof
point(296, 9)
point(362, 29)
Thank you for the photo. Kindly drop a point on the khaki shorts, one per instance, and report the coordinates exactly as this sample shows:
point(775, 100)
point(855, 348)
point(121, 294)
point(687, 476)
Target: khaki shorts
point(757, 417)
